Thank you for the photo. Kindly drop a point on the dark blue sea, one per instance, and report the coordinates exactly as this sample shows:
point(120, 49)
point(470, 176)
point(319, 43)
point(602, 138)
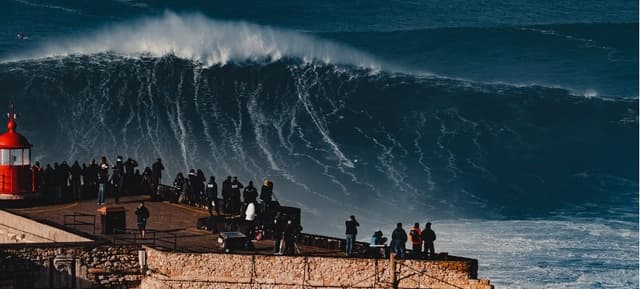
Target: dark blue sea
point(511, 125)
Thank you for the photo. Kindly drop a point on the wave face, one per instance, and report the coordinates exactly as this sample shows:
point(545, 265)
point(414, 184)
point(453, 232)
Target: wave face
point(338, 137)
point(588, 59)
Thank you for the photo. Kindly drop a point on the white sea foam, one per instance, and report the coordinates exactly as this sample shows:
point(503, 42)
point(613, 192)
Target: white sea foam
point(207, 41)
point(578, 253)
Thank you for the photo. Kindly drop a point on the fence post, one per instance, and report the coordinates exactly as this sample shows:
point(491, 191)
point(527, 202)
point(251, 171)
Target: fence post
point(392, 267)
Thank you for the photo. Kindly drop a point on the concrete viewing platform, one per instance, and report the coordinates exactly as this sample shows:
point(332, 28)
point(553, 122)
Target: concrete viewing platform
point(68, 250)
point(171, 226)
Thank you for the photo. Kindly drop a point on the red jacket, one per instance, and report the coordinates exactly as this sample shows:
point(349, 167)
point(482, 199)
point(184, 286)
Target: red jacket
point(415, 235)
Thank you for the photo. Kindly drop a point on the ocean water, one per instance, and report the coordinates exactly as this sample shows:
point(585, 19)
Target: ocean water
point(512, 126)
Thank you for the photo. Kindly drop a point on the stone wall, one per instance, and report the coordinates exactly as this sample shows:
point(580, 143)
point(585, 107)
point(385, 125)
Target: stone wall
point(69, 266)
point(213, 270)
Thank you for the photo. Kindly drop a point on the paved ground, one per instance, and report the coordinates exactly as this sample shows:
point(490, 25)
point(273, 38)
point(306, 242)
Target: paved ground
point(170, 226)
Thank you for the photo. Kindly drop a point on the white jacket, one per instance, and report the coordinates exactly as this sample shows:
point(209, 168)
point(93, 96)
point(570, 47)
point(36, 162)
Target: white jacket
point(250, 213)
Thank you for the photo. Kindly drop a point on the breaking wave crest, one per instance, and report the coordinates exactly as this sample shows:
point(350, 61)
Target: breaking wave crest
point(205, 41)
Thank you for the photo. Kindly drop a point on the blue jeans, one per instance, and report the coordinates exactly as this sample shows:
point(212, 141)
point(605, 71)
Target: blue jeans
point(349, 243)
point(398, 249)
point(101, 193)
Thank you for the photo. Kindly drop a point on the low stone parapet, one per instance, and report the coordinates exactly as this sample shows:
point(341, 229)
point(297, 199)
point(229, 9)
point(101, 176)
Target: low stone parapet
point(219, 270)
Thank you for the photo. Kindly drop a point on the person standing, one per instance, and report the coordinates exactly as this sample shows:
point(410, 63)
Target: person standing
point(91, 176)
point(226, 195)
point(192, 192)
point(66, 173)
point(179, 184)
point(236, 186)
point(142, 215)
point(250, 193)
point(38, 179)
point(415, 235)
point(145, 183)
point(117, 181)
point(76, 173)
point(289, 235)
point(428, 236)
point(398, 240)
point(129, 184)
point(278, 230)
point(200, 188)
point(212, 196)
point(156, 175)
point(49, 183)
point(250, 215)
point(103, 179)
point(266, 194)
point(351, 231)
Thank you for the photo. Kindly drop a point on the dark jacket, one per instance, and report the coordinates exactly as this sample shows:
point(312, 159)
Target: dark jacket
point(399, 235)
point(428, 235)
point(212, 190)
point(142, 214)
point(103, 174)
point(351, 227)
point(156, 170)
point(226, 189)
point(266, 194)
point(250, 194)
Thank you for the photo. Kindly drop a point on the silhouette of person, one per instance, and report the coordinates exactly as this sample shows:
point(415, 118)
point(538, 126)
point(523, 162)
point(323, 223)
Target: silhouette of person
point(428, 237)
point(351, 231)
point(103, 179)
point(200, 188)
point(142, 215)
point(398, 240)
point(235, 196)
point(227, 191)
point(117, 180)
point(250, 193)
point(76, 172)
point(145, 183)
point(179, 183)
point(49, 182)
point(192, 192)
point(415, 235)
point(38, 178)
point(266, 192)
point(212, 196)
point(156, 174)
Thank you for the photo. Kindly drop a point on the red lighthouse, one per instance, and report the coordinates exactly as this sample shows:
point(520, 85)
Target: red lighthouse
point(16, 180)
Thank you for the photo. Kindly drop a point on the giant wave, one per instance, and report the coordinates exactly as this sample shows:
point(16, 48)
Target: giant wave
point(338, 136)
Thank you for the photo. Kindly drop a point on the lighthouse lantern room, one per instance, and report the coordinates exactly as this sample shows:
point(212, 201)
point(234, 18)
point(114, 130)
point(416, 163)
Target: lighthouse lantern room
point(16, 179)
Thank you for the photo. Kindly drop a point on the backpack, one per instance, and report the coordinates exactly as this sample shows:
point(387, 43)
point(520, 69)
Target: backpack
point(415, 237)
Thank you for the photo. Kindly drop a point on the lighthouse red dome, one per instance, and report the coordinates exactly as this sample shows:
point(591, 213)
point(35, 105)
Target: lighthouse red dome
point(11, 139)
point(15, 163)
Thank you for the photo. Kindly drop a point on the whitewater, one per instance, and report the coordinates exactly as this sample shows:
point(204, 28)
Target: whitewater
point(513, 175)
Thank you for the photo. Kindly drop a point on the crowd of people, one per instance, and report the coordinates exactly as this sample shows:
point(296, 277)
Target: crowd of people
point(237, 199)
point(63, 182)
point(421, 240)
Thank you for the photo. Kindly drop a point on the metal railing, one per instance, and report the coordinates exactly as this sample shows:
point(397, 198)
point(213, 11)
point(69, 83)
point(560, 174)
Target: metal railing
point(79, 219)
point(151, 238)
